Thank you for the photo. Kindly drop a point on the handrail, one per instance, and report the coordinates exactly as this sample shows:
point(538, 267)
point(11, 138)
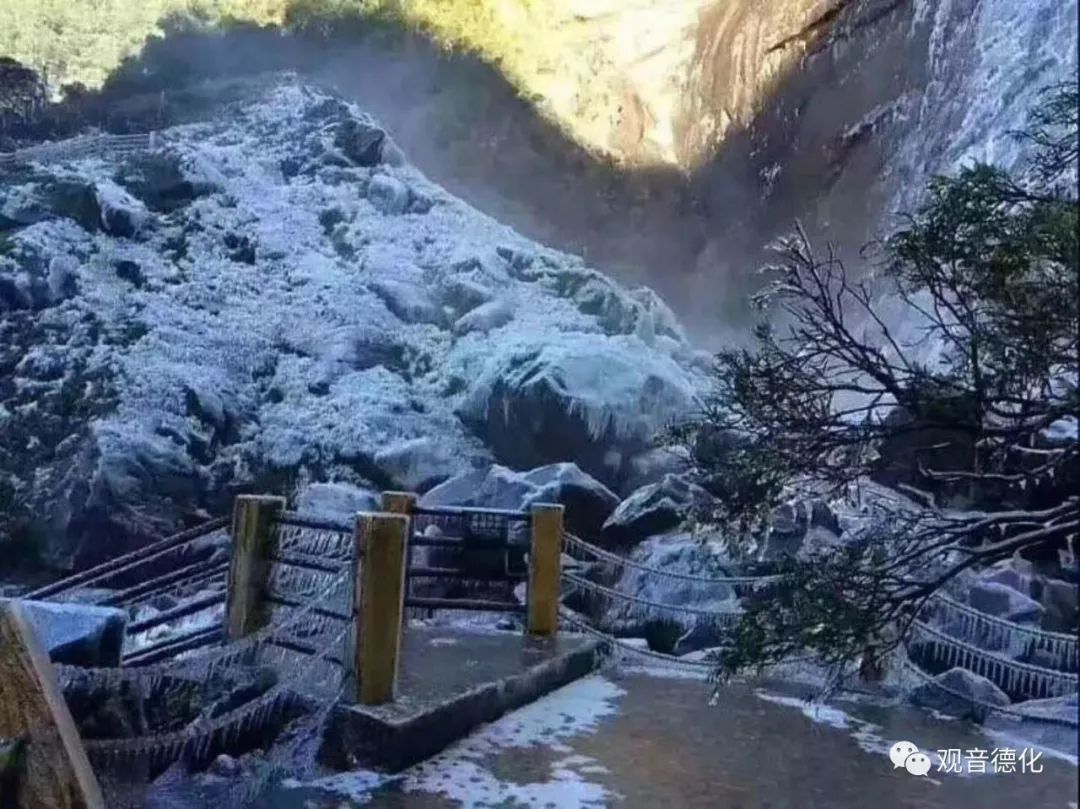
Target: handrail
point(469, 511)
point(297, 520)
point(138, 556)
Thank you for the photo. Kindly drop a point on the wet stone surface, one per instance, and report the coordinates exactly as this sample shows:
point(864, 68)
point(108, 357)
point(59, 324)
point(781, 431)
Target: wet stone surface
point(633, 740)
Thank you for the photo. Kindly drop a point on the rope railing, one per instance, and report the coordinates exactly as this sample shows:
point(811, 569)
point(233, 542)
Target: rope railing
point(1015, 676)
point(622, 561)
point(128, 561)
point(666, 659)
point(205, 662)
point(988, 707)
point(723, 615)
point(174, 581)
point(197, 739)
point(1064, 645)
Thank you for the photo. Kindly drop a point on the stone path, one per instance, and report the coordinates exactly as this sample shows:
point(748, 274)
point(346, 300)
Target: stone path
point(634, 741)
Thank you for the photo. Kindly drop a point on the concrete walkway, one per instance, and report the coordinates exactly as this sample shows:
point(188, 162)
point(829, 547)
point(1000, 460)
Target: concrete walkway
point(643, 741)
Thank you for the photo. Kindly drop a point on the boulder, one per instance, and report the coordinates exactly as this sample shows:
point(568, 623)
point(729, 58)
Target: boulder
point(120, 483)
point(74, 200)
point(388, 194)
point(336, 501)
point(588, 502)
point(652, 465)
point(585, 398)
point(360, 141)
point(493, 487)
point(160, 183)
point(121, 214)
point(78, 634)
point(680, 554)
point(408, 302)
point(417, 464)
point(1017, 573)
point(1003, 601)
point(486, 317)
point(462, 295)
point(1060, 602)
point(654, 509)
point(798, 528)
point(1061, 710)
point(960, 693)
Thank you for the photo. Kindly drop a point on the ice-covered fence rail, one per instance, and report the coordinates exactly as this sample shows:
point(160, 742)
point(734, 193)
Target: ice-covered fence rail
point(574, 623)
point(128, 561)
point(174, 645)
point(205, 663)
point(175, 582)
point(1014, 677)
point(1006, 710)
point(197, 740)
point(84, 146)
point(1061, 647)
point(312, 537)
point(652, 607)
point(576, 543)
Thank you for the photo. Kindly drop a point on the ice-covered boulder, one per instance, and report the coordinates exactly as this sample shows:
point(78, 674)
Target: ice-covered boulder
point(117, 485)
point(654, 509)
point(121, 214)
point(360, 140)
point(960, 693)
point(336, 501)
point(78, 634)
point(409, 302)
point(652, 465)
point(587, 501)
point(485, 318)
point(388, 194)
point(417, 464)
point(267, 323)
point(1061, 602)
point(696, 559)
point(800, 527)
point(597, 400)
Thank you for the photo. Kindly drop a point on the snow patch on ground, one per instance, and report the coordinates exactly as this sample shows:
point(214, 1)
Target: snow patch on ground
point(462, 772)
point(865, 734)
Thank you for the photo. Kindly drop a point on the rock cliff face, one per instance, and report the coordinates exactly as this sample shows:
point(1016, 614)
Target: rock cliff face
point(277, 296)
point(728, 121)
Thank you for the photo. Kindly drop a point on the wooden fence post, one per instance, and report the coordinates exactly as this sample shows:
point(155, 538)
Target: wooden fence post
point(382, 545)
point(398, 502)
point(254, 543)
point(54, 771)
point(545, 569)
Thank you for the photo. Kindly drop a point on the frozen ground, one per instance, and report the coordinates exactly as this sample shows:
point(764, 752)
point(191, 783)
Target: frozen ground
point(638, 740)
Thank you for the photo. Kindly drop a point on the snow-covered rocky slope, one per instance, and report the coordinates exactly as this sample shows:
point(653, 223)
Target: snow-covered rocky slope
point(277, 295)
